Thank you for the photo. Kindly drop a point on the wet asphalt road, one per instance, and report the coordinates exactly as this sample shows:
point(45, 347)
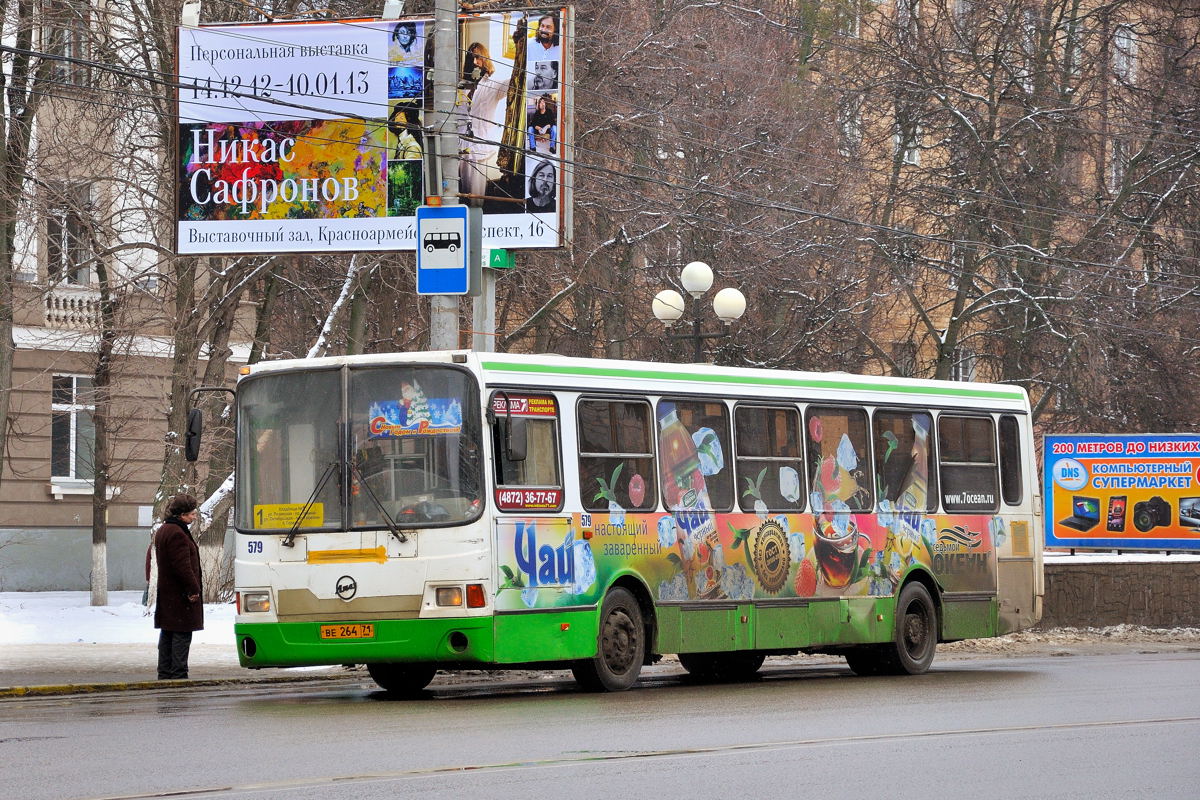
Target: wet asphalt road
point(1123, 725)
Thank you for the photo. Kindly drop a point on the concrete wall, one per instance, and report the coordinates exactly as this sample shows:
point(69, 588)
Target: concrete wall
point(1158, 594)
point(60, 559)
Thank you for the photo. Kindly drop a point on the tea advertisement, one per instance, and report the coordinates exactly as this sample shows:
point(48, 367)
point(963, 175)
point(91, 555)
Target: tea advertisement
point(566, 561)
point(304, 137)
point(693, 553)
point(1129, 492)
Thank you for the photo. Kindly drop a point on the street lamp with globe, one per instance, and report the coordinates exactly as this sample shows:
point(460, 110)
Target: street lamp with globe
point(696, 278)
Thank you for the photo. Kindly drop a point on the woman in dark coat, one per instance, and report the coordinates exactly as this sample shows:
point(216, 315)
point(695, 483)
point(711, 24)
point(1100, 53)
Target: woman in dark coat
point(179, 609)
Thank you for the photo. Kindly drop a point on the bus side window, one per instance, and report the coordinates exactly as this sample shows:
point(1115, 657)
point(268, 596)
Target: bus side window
point(616, 455)
point(1010, 460)
point(904, 473)
point(541, 464)
point(967, 463)
point(839, 466)
point(770, 465)
point(693, 436)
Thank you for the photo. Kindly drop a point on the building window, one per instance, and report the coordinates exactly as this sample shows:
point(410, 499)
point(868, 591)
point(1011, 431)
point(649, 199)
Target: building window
point(963, 368)
point(68, 240)
point(904, 359)
point(849, 19)
point(72, 431)
point(850, 125)
point(1124, 54)
point(65, 35)
point(1118, 165)
point(907, 12)
point(907, 141)
point(963, 11)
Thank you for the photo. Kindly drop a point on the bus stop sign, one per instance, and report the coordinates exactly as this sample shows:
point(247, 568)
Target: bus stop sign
point(449, 242)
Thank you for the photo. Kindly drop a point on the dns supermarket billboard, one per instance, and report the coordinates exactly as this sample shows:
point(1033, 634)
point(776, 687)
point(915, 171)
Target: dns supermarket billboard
point(303, 137)
point(1123, 492)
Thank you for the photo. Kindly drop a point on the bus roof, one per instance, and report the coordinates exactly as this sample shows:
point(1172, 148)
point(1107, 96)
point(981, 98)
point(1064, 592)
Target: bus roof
point(593, 374)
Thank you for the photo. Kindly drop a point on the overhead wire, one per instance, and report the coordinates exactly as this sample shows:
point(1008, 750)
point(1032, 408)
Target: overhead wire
point(745, 197)
point(806, 211)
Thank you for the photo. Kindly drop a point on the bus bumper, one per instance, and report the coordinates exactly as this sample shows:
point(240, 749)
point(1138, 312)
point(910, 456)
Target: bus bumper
point(299, 644)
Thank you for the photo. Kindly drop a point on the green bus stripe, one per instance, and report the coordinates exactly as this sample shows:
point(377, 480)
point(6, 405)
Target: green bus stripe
point(746, 380)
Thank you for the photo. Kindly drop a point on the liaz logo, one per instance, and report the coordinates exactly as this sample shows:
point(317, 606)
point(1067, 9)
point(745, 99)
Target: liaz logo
point(346, 587)
point(545, 564)
point(957, 540)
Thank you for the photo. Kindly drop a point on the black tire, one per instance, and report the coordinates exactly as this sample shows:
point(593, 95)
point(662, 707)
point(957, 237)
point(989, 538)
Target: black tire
point(867, 659)
point(723, 667)
point(620, 646)
point(915, 640)
point(402, 680)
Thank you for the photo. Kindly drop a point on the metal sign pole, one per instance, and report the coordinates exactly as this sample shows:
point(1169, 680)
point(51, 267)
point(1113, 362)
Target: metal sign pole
point(443, 309)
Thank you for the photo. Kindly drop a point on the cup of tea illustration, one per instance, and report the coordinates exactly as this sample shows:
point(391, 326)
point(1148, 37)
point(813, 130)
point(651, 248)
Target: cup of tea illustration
point(836, 552)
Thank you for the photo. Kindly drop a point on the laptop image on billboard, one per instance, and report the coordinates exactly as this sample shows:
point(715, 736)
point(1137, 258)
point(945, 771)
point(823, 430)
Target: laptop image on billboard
point(1085, 513)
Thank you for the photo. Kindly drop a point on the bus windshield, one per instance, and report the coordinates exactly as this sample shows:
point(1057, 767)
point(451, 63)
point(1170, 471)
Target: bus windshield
point(410, 456)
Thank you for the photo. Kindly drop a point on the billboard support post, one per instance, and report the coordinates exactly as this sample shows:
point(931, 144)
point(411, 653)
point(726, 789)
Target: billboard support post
point(443, 309)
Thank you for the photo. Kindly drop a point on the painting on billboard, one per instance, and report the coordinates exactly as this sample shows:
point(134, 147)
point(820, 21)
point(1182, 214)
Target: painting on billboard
point(299, 137)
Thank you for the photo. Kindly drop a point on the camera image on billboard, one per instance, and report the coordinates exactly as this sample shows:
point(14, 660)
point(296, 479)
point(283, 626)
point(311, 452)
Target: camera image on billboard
point(1151, 514)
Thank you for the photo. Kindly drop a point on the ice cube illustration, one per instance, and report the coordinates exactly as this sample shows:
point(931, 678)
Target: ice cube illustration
point(847, 459)
point(708, 448)
point(585, 568)
point(796, 546)
point(616, 514)
point(530, 596)
point(789, 484)
point(666, 531)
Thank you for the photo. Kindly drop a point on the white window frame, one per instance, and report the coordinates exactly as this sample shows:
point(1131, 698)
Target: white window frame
point(70, 483)
point(1124, 53)
point(965, 365)
point(850, 125)
point(67, 240)
point(65, 33)
point(1118, 164)
point(908, 148)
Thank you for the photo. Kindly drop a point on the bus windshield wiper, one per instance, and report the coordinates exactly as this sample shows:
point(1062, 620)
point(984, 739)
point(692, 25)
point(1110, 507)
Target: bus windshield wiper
point(289, 540)
point(392, 527)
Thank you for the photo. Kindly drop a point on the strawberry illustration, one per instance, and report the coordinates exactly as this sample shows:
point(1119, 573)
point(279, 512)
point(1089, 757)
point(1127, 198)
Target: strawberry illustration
point(806, 579)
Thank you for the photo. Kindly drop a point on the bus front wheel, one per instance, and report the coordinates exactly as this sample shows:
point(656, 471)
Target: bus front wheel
point(620, 646)
point(402, 680)
point(913, 642)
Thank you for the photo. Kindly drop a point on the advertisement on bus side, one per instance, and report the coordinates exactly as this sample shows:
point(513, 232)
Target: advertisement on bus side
point(1130, 492)
point(569, 560)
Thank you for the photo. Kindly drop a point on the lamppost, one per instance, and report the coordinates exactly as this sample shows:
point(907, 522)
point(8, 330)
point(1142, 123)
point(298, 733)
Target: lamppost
point(697, 278)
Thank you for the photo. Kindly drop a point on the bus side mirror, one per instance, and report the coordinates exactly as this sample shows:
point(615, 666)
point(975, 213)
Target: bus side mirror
point(516, 440)
point(191, 441)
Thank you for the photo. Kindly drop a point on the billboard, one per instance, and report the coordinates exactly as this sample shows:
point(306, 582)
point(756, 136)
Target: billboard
point(1123, 492)
point(303, 137)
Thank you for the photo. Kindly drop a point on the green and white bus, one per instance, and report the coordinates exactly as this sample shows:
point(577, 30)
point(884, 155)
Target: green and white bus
point(417, 512)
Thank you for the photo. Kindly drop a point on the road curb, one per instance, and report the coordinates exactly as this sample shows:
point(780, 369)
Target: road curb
point(127, 686)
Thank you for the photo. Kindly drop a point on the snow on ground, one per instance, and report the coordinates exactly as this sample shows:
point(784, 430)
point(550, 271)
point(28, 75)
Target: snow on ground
point(68, 617)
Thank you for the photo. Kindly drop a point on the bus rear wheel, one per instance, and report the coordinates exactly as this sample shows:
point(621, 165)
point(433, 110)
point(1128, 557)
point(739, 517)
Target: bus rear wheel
point(729, 667)
point(402, 680)
point(916, 631)
point(620, 646)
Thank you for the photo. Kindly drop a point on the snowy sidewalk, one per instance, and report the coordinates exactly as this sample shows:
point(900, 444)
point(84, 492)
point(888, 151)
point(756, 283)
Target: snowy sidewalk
point(58, 639)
